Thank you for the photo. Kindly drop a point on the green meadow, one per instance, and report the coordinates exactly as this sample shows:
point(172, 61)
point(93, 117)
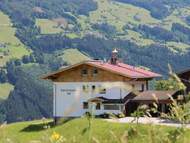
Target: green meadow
point(10, 45)
point(114, 13)
point(10, 48)
point(177, 16)
point(178, 47)
point(48, 26)
point(73, 56)
point(119, 14)
point(13, 52)
point(5, 89)
point(137, 38)
point(79, 131)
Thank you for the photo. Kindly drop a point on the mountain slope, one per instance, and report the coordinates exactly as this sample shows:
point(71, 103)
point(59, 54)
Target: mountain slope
point(10, 45)
point(10, 48)
point(46, 35)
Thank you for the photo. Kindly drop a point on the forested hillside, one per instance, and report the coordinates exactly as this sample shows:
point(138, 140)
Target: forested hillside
point(51, 34)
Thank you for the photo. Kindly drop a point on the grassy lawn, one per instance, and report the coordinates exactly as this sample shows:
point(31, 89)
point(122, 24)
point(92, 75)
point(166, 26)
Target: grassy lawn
point(13, 47)
point(73, 56)
point(77, 131)
point(5, 89)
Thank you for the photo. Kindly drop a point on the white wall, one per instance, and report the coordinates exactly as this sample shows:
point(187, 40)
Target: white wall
point(69, 96)
point(138, 84)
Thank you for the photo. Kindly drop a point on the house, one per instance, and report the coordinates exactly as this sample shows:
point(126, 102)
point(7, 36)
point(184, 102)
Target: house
point(96, 86)
point(185, 78)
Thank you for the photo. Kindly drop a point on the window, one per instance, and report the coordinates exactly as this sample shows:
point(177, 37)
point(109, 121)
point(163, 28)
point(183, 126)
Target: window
point(97, 106)
point(84, 72)
point(142, 87)
point(111, 107)
point(93, 87)
point(68, 93)
point(122, 107)
point(103, 91)
point(85, 105)
point(95, 72)
point(84, 88)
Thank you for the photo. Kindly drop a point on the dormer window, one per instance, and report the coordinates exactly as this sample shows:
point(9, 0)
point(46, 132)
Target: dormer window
point(84, 72)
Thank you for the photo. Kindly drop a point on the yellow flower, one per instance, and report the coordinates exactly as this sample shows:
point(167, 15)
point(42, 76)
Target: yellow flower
point(55, 136)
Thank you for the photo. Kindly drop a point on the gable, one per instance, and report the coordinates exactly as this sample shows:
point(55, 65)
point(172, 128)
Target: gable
point(75, 75)
point(108, 72)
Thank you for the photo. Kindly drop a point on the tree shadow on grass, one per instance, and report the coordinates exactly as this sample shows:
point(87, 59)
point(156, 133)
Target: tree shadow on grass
point(35, 127)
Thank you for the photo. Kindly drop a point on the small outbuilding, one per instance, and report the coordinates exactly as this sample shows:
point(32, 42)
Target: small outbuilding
point(162, 98)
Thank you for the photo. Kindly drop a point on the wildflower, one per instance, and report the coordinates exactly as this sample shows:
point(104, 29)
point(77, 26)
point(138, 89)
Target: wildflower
point(55, 136)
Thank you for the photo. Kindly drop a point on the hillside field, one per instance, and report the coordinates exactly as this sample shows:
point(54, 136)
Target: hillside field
point(5, 89)
point(10, 48)
point(77, 131)
point(73, 56)
point(118, 15)
point(48, 26)
point(10, 45)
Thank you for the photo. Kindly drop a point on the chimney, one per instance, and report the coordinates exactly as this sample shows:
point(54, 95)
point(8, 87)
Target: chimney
point(114, 58)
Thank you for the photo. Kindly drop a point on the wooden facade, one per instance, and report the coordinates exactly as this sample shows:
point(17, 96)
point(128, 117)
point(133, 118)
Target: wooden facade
point(76, 75)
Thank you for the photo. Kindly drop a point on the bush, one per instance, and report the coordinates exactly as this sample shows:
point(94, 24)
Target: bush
point(3, 76)
point(104, 115)
point(120, 115)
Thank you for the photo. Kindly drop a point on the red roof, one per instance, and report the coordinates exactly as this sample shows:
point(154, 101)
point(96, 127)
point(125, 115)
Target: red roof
point(119, 68)
point(124, 69)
